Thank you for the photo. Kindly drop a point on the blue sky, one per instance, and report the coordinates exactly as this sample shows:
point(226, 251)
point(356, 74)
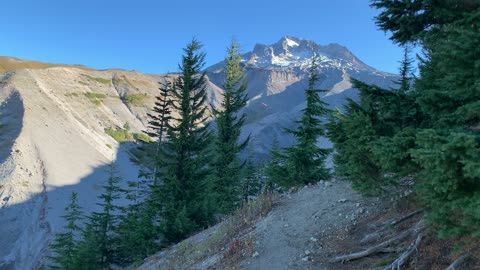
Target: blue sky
point(148, 36)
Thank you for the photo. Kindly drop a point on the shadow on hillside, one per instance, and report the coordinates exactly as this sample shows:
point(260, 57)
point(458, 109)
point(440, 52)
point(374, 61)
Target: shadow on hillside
point(28, 224)
point(11, 115)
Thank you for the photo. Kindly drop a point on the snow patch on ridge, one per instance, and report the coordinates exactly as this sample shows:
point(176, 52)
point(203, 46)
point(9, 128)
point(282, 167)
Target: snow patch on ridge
point(291, 43)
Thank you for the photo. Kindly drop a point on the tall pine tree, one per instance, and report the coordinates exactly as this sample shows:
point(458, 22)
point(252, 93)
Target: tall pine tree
point(158, 120)
point(97, 250)
point(186, 154)
point(65, 245)
point(304, 162)
point(226, 165)
point(147, 154)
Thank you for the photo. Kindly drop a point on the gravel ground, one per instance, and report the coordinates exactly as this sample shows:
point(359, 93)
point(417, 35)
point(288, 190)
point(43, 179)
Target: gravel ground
point(301, 226)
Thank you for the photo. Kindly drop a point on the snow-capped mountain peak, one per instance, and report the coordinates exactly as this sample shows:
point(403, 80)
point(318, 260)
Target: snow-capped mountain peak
point(293, 52)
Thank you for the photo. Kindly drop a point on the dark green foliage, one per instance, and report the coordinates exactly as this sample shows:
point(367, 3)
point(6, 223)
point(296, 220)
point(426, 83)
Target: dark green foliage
point(432, 131)
point(158, 123)
point(97, 250)
point(448, 153)
point(374, 136)
point(406, 71)
point(158, 120)
point(65, 245)
point(185, 157)
point(253, 183)
point(303, 162)
point(450, 75)
point(227, 167)
point(413, 20)
point(352, 134)
point(275, 169)
point(137, 232)
point(449, 180)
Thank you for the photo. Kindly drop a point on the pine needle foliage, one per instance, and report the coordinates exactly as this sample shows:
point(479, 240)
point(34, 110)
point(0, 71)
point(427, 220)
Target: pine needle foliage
point(65, 246)
point(185, 158)
point(304, 162)
point(431, 131)
point(97, 250)
point(227, 166)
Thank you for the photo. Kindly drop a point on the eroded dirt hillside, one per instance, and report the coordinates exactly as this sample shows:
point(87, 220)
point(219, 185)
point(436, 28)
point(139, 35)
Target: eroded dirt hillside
point(53, 142)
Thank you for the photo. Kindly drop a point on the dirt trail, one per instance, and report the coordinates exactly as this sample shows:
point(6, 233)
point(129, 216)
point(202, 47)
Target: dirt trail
point(300, 226)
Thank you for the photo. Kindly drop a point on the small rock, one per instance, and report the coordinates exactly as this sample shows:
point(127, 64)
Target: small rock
point(286, 225)
point(322, 182)
point(313, 239)
point(305, 259)
point(307, 252)
point(357, 204)
point(328, 184)
point(342, 200)
point(256, 254)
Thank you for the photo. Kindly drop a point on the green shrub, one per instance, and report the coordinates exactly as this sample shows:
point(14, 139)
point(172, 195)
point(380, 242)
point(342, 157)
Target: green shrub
point(73, 94)
point(97, 79)
point(120, 135)
point(136, 99)
point(143, 137)
point(95, 98)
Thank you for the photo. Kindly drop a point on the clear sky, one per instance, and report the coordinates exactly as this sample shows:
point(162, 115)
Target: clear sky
point(148, 35)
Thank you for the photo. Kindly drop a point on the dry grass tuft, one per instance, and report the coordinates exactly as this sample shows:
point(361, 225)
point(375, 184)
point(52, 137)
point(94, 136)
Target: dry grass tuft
point(225, 244)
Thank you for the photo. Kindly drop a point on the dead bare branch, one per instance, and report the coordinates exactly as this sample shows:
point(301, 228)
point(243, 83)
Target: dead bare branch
point(400, 261)
point(419, 227)
point(460, 262)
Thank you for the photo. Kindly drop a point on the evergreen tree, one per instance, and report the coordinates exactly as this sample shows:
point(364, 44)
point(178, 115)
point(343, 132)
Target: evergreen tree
point(64, 245)
point(373, 136)
point(406, 71)
point(147, 154)
point(306, 159)
point(158, 120)
point(252, 183)
point(137, 233)
point(275, 169)
point(184, 194)
point(415, 20)
point(304, 162)
point(97, 250)
point(227, 167)
point(446, 144)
